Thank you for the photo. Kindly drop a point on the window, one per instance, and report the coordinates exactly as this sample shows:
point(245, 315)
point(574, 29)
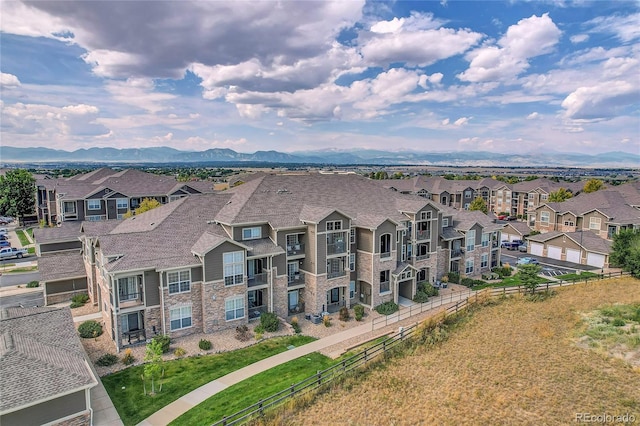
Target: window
point(568, 222)
point(128, 287)
point(425, 215)
point(180, 318)
point(69, 207)
point(385, 286)
point(93, 204)
point(352, 289)
point(334, 225)
point(251, 233)
point(292, 239)
point(233, 268)
point(120, 216)
point(594, 223)
point(352, 261)
point(468, 266)
point(467, 194)
point(485, 240)
point(234, 308)
point(445, 222)
point(122, 203)
point(335, 267)
point(544, 217)
point(179, 282)
point(484, 260)
point(94, 218)
point(544, 197)
point(385, 245)
point(471, 240)
point(352, 236)
point(404, 253)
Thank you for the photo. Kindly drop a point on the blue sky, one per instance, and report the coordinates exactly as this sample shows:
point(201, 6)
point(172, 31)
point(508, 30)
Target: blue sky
point(290, 76)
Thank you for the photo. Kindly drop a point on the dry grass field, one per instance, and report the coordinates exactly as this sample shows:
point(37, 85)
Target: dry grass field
point(517, 362)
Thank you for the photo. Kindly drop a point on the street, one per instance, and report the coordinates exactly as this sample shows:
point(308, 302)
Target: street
point(7, 279)
point(30, 299)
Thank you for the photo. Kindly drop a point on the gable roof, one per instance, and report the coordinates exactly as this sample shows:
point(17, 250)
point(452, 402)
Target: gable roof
point(41, 357)
point(60, 266)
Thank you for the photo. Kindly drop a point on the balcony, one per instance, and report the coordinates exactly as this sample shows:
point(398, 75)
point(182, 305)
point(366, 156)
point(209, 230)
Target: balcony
point(456, 253)
point(336, 274)
point(423, 257)
point(338, 247)
point(423, 235)
point(296, 309)
point(295, 249)
point(256, 311)
point(385, 255)
point(128, 300)
point(258, 279)
point(335, 306)
point(133, 337)
point(296, 279)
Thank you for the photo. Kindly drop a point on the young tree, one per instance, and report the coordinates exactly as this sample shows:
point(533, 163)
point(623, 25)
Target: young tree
point(592, 185)
point(146, 205)
point(17, 193)
point(529, 276)
point(560, 195)
point(153, 368)
point(625, 251)
point(479, 204)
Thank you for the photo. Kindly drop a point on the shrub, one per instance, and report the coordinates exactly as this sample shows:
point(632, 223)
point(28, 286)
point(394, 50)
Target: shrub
point(164, 340)
point(33, 284)
point(179, 352)
point(470, 282)
point(326, 320)
point(358, 311)
point(106, 360)
point(80, 298)
point(453, 277)
point(204, 344)
point(420, 297)
point(128, 358)
point(387, 308)
point(618, 322)
point(74, 305)
point(242, 333)
point(258, 329)
point(344, 314)
point(90, 329)
point(295, 325)
point(269, 321)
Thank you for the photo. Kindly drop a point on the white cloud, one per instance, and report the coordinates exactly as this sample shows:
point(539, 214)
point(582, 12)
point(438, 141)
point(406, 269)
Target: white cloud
point(461, 121)
point(9, 80)
point(140, 93)
point(626, 28)
point(81, 109)
point(445, 122)
point(579, 38)
point(529, 38)
point(533, 116)
point(599, 101)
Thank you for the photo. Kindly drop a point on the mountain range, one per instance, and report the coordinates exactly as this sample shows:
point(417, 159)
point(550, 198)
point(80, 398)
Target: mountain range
point(327, 156)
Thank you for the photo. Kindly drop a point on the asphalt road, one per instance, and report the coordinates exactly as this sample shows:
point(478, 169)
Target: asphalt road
point(29, 258)
point(7, 280)
point(30, 299)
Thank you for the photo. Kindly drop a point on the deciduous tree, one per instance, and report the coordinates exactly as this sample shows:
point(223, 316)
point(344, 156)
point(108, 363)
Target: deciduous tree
point(625, 251)
point(146, 205)
point(17, 193)
point(153, 368)
point(560, 195)
point(479, 204)
point(592, 185)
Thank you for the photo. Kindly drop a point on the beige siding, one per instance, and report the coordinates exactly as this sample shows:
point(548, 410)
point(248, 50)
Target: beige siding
point(309, 263)
point(365, 239)
point(213, 261)
point(48, 411)
point(237, 231)
point(386, 227)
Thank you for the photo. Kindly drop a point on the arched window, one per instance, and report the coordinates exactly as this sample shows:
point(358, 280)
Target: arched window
point(385, 245)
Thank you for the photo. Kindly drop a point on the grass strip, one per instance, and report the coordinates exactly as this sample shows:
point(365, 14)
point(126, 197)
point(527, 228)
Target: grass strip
point(184, 375)
point(20, 270)
point(576, 277)
point(253, 389)
point(24, 240)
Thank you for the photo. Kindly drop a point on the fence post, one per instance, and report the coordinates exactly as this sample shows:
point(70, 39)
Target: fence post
point(293, 391)
point(260, 408)
point(319, 377)
point(384, 346)
point(224, 421)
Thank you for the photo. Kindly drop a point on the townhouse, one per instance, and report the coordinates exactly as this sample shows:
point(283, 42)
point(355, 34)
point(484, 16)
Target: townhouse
point(288, 244)
point(106, 194)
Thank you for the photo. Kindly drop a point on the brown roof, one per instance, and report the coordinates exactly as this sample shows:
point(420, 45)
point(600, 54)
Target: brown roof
point(60, 266)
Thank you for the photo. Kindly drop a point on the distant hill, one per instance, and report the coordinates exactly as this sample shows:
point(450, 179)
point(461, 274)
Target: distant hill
point(328, 156)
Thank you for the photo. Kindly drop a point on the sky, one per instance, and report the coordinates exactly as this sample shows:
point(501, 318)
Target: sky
point(515, 76)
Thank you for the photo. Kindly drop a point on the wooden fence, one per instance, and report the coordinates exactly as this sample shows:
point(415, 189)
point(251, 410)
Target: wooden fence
point(377, 351)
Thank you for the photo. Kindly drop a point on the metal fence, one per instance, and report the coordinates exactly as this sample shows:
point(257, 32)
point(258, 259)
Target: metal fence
point(462, 299)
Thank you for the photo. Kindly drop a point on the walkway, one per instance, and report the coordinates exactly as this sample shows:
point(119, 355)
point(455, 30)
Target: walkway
point(172, 411)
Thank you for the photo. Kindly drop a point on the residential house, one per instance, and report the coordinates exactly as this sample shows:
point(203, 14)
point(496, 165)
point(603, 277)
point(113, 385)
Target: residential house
point(46, 378)
point(106, 194)
point(583, 247)
point(513, 231)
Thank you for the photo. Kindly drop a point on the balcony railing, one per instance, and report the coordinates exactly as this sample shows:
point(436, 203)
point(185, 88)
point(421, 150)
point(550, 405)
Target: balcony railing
point(258, 279)
point(385, 286)
point(296, 309)
point(296, 279)
point(295, 249)
point(336, 274)
point(385, 255)
point(456, 253)
point(130, 299)
point(423, 235)
point(256, 311)
point(336, 248)
point(133, 337)
point(422, 256)
point(335, 306)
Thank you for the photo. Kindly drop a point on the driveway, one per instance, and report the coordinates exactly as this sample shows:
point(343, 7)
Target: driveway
point(512, 259)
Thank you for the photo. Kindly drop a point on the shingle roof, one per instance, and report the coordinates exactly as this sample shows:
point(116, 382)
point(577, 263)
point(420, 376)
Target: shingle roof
point(521, 227)
point(67, 231)
point(449, 233)
point(465, 220)
point(40, 357)
point(591, 242)
point(58, 266)
point(541, 238)
point(262, 247)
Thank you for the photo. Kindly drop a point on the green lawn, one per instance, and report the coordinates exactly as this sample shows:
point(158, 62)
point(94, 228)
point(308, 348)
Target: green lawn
point(30, 232)
point(573, 277)
point(512, 281)
point(252, 390)
point(24, 240)
point(20, 270)
point(184, 375)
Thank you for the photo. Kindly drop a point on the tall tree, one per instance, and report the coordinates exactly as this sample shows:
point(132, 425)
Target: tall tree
point(625, 251)
point(560, 195)
point(592, 185)
point(529, 276)
point(146, 205)
point(17, 193)
point(479, 204)
point(153, 369)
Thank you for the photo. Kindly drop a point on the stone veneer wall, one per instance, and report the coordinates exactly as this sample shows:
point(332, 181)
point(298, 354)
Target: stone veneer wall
point(280, 296)
point(442, 263)
point(213, 313)
point(80, 420)
point(62, 297)
point(192, 298)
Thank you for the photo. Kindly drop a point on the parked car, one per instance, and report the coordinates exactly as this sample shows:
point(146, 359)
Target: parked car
point(527, 261)
point(4, 237)
point(502, 216)
point(511, 245)
point(11, 252)
point(512, 217)
point(5, 243)
point(523, 247)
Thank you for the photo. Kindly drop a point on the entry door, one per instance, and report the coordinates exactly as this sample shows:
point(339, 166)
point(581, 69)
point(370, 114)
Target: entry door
point(335, 295)
point(293, 299)
point(130, 322)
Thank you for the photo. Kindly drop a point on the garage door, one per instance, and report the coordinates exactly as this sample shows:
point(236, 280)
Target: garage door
point(595, 259)
point(554, 252)
point(573, 255)
point(536, 248)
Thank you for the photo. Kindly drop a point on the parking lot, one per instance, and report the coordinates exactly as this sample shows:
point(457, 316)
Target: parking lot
point(548, 269)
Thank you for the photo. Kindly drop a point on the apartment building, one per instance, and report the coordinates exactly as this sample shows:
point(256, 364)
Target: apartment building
point(106, 194)
point(289, 244)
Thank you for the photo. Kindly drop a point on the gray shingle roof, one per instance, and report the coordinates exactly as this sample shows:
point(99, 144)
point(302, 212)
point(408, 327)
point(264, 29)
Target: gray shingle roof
point(541, 238)
point(521, 227)
point(67, 231)
point(40, 357)
point(58, 266)
point(262, 247)
point(615, 203)
point(449, 233)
